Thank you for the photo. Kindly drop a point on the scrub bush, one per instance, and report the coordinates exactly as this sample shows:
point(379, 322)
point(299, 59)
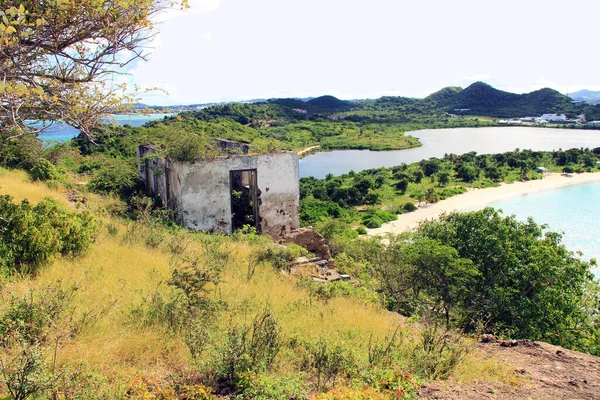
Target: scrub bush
point(31, 236)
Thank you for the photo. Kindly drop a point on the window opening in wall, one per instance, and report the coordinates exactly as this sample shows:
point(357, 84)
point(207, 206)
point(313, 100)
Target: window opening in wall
point(244, 198)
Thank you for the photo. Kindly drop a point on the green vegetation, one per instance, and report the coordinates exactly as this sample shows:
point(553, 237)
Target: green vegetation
point(483, 272)
point(526, 284)
point(170, 313)
point(364, 195)
point(102, 295)
point(151, 310)
point(32, 235)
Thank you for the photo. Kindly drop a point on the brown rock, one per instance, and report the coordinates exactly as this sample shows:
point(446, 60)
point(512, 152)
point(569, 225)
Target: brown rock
point(311, 240)
point(486, 338)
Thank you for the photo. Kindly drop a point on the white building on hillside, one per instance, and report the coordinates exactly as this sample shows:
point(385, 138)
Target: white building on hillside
point(552, 118)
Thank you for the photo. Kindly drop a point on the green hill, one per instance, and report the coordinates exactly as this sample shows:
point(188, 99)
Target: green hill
point(329, 104)
point(483, 99)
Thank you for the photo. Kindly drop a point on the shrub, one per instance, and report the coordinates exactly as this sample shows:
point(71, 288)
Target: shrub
point(23, 152)
point(246, 349)
point(280, 256)
point(118, 177)
point(372, 222)
point(327, 362)
point(361, 230)
point(44, 170)
point(28, 317)
point(32, 235)
point(331, 228)
point(449, 192)
point(375, 218)
point(402, 185)
point(90, 164)
point(409, 207)
point(312, 211)
point(25, 374)
point(272, 387)
point(437, 352)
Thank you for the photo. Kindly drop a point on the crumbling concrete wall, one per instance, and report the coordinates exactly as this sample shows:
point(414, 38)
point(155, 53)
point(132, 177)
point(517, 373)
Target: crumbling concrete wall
point(206, 201)
point(162, 178)
point(200, 192)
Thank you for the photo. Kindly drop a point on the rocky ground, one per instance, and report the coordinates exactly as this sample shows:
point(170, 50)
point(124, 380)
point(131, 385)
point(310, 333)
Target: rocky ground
point(548, 372)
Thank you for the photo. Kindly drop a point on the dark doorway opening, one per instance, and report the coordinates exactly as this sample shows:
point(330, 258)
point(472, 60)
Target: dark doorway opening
point(244, 198)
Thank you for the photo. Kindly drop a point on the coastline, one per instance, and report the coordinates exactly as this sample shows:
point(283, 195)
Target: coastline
point(479, 198)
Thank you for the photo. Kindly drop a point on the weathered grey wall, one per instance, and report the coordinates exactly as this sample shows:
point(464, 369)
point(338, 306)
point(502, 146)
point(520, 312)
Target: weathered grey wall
point(164, 178)
point(200, 191)
point(205, 192)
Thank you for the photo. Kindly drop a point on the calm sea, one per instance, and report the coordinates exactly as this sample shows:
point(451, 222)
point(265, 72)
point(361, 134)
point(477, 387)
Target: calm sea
point(574, 210)
point(61, 132)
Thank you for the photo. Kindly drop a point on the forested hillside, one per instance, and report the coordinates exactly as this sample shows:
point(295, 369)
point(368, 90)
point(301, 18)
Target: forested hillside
point(448, 107)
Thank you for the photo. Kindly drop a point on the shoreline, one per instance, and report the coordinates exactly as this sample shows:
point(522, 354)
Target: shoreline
point(479, 198)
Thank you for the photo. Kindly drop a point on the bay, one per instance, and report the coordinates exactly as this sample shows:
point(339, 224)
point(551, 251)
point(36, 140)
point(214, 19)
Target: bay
point(61, 132)
point(437, 142)
point(572, 210)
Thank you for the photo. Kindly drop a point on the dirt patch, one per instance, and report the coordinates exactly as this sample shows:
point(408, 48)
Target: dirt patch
point(548, 372)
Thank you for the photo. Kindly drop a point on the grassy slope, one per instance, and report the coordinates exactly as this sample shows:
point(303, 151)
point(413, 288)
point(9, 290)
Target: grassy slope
point(133, 262)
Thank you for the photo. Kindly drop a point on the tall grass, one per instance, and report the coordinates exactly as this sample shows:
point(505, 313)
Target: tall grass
point(130, 262)
point(17, 184)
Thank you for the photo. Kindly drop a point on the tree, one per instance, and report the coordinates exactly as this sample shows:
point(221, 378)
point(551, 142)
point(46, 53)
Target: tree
point(402, 185)
point(418, 176)
point(467, 172)
point(430, 196)
point(588, 161)
point(493, 172)
point(58, 59)
point(418, 272)
point(525, 165)
point(443, 178)
point(430, 166)
point(529, 284)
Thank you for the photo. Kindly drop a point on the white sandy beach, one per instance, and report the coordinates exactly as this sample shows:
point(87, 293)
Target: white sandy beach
point(479, 198)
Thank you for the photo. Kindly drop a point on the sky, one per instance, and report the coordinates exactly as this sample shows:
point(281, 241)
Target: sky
point(232, 50)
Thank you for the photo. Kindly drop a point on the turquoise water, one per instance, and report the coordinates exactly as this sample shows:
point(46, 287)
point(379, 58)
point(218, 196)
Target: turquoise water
point(61, 132)
point(574, 210)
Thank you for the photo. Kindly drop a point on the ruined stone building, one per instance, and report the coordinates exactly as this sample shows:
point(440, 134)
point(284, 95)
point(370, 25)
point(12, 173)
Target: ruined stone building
point(224, 193)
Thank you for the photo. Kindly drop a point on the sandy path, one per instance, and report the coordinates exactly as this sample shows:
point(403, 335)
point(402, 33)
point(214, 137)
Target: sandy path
point(479, 198)
point(307, 149)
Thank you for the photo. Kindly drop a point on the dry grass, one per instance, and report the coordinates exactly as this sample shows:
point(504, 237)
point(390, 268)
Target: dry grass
point(121, 269)
point(480, 367)
point(17, 184)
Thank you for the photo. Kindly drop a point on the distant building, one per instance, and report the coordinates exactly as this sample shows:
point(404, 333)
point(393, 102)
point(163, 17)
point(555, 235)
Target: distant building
point(552, 118)
point(299, 110)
